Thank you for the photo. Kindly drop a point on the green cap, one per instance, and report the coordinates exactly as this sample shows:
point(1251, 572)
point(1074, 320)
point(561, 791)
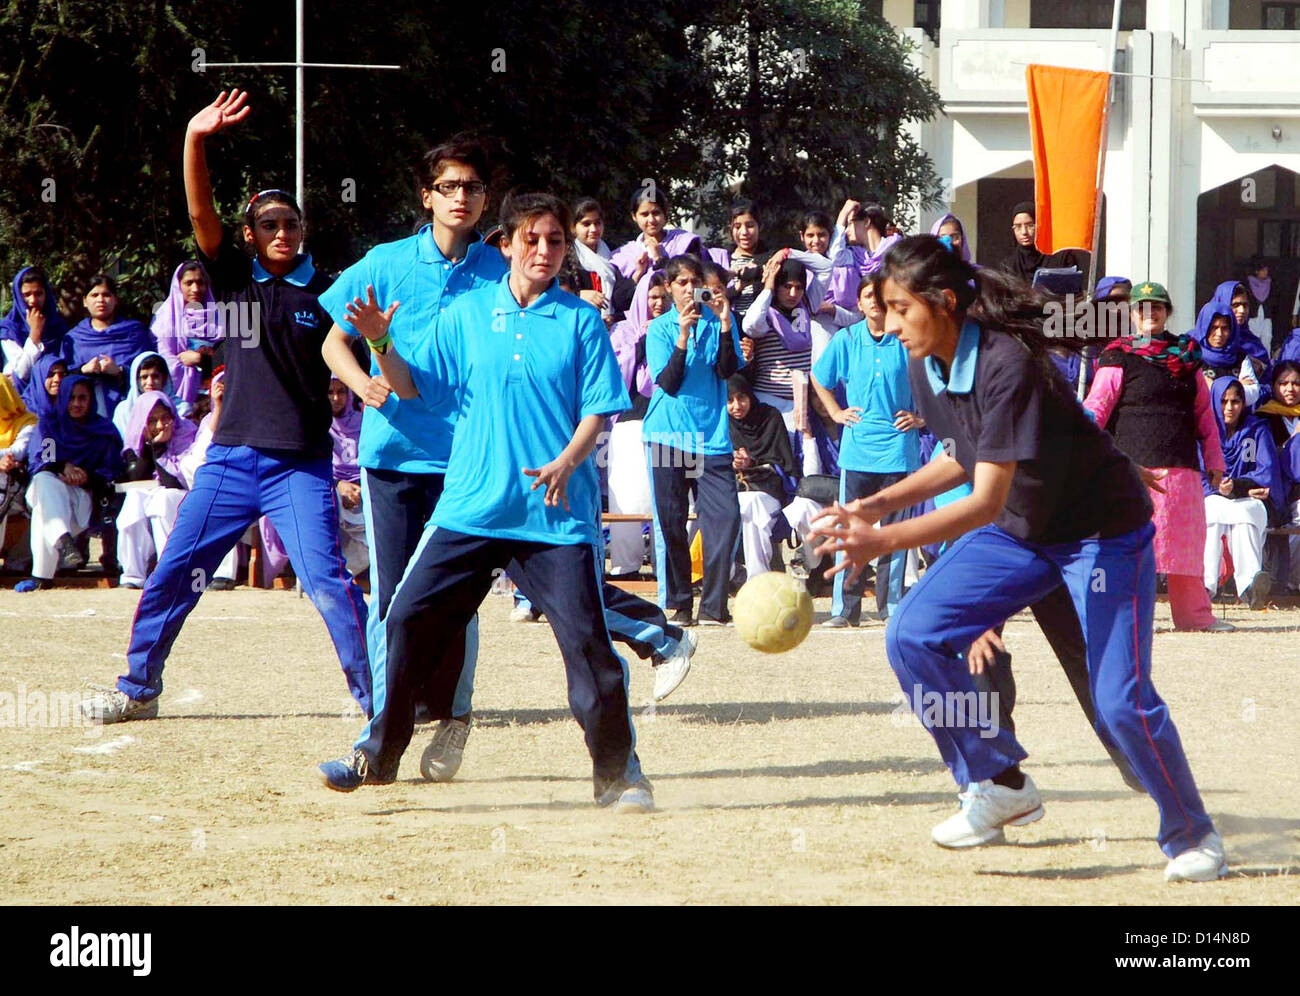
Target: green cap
point(1149, 290)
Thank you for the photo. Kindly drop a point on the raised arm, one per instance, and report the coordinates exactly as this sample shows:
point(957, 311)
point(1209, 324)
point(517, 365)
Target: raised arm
point(223, 112)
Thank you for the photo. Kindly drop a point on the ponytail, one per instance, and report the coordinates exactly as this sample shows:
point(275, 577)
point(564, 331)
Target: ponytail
point(926, 267)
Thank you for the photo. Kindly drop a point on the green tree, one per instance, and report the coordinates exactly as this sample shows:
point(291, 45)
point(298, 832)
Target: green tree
point(575, 97)
point(812, 98)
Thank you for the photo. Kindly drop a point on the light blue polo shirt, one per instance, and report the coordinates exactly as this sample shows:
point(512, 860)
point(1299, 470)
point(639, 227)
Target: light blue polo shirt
point(874, 375)
point(695, 420)
point(519, 381)
point(410, 436)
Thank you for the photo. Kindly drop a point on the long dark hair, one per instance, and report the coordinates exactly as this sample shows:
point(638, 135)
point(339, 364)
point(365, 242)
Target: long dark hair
point(925, 268)
point(1283, 366)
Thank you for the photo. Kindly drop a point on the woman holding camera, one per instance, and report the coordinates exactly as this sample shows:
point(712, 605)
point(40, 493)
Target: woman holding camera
point(691, 350)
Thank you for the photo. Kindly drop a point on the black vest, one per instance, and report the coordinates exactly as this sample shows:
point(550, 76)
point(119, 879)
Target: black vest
point(1154, 421)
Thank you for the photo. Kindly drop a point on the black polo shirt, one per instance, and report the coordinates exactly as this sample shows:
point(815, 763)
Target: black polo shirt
point(995, 406)
point(277, 382)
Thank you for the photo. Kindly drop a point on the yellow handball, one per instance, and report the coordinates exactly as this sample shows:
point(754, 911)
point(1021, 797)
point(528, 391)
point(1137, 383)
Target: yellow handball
point(773, 612)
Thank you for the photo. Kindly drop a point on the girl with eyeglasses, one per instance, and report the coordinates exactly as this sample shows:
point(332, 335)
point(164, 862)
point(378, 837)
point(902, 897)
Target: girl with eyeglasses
point(405, 445)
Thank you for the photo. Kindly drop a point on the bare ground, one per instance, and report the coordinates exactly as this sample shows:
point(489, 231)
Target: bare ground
point(784, 779)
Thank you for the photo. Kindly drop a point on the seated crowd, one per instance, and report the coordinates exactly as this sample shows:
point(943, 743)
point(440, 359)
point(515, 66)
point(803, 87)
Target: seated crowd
point(764, 387)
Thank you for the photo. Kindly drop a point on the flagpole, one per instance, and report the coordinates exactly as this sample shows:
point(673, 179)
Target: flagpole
point(299, 74)
point(1101, 183)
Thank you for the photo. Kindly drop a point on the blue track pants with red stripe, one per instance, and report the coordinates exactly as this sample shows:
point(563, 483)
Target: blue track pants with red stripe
point(988, 576)
point(231, 490)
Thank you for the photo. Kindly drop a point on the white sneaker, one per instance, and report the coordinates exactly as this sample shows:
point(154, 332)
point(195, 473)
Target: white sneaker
point(522, 613)
point(108, 705)
point(441, 759)
point(1203, 863)
point(638, 798)
point(672, 671)
point(1220, 626)
point(985, 809)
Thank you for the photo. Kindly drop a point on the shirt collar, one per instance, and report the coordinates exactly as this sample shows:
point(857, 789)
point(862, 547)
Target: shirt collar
point(427, 250)
point(299, 276)
point(866, 336)
point(545, 305)
point(961, 378)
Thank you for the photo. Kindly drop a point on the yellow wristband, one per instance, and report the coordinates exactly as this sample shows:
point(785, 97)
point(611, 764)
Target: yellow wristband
point(380, 345)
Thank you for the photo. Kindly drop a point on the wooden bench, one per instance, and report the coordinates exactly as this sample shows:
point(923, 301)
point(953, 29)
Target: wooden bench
point(635, 587)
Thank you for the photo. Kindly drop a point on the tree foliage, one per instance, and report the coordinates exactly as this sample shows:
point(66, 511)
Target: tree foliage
point(800, 102)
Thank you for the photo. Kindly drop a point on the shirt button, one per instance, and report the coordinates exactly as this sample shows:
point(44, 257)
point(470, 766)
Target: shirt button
point(519, 335)
point(516, 356)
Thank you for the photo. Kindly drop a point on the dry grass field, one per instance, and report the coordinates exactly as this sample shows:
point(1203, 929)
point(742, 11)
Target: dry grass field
point(783, 779)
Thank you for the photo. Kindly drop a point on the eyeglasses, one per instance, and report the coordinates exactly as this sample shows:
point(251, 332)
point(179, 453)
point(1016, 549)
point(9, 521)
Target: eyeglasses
point(472, 188)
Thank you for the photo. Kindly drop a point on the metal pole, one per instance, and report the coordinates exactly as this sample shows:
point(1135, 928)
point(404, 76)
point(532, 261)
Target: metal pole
point(298, 74)
point(1101, 184)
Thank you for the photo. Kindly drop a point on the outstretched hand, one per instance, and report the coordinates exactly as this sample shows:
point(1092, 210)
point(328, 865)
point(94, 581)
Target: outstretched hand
point(983, 652)
point(226, 110)
point(368, 318)
point(1152, 478)
point(555, 477)
point(850, 530)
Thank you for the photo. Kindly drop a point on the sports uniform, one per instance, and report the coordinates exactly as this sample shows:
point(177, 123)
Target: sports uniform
point(521, 380)
point(1077, 512)
point(269, 456)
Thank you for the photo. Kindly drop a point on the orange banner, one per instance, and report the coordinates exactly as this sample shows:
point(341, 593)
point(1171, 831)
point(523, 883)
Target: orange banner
point(1066, 117)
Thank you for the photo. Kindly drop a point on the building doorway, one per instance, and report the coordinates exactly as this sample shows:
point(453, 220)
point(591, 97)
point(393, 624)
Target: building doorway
point(1253, 217)
point(996, 196)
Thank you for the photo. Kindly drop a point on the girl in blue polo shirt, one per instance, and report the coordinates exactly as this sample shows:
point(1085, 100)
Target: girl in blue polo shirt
point(1053, 501)
point(271, 451)
point(533, 377)
point(879, 444)
point(691, 350)
point(405, 444)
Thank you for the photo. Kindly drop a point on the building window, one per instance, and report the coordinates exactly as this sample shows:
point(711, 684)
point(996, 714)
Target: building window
point(1086, 14)
point(1281, 16)
point(926, 16)
point(1264, 15)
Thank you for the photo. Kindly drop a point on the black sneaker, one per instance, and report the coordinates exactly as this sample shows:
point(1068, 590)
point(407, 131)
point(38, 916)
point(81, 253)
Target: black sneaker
point(70, 558)
point(682, 617)
point(221, 584)
point(711, 621)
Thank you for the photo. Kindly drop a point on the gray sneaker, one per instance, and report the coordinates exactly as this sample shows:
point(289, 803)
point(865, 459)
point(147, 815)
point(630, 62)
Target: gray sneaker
point(625, 797)
point(441, 759)
point(108, 705)
point(672, 670)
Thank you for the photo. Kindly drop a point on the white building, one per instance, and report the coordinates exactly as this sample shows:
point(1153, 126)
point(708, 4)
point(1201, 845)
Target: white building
point(1202, 174)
